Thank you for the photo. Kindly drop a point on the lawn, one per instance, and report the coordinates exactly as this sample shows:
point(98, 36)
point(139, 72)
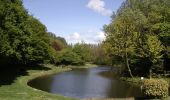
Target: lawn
point(17, 88)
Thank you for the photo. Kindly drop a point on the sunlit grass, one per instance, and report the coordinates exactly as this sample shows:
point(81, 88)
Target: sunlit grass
point(19, 90)
point(84, 66)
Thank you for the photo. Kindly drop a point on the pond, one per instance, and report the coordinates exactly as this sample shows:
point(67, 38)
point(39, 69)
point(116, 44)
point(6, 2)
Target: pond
point(86, 83)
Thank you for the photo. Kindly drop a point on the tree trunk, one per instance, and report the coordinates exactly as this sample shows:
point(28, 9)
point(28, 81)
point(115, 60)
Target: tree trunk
point(150, 73)
point(127, 63)
point(150, 70)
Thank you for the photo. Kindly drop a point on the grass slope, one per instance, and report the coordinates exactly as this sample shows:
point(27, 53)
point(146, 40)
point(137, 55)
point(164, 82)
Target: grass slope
point(19, 90)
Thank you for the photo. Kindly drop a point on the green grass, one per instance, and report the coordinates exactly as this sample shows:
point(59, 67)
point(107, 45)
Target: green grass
point(19, 90)
point(135, 81)
point(84, 66)
point(138, 81)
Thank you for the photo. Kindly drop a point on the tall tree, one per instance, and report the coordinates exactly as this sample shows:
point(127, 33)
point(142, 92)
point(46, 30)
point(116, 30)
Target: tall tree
point(83, 51)
point(24, 39)
point(138, 26)
point(120, 34)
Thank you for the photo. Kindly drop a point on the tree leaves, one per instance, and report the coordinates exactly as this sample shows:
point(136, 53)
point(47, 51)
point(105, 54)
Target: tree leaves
point(24, 39)
point(140, 28)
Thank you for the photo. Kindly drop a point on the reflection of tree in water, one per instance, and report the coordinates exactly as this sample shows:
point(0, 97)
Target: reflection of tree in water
point(88, 83)
point(117, 88)
point(120, 89)
point(37, 83)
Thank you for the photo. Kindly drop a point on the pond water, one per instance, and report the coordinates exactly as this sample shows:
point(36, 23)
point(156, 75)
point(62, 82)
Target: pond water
point(86, 83)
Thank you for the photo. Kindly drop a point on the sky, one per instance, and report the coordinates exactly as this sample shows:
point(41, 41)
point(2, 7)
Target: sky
point(75, 20)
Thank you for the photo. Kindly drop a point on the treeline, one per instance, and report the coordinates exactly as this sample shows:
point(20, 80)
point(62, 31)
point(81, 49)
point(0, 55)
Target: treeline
point(79, 54)
point(138, 37)
point(24, 40)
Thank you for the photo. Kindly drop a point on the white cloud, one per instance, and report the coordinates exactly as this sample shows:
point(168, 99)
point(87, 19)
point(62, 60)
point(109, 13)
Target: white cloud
point(100, 36)
point(92, 37)
point(74, 37)
point(99, 6)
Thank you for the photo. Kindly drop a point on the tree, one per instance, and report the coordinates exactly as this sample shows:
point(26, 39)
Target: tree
point(83, 51)
point(35, 48)
point(68, 57)
point(151, 49)
point(58, 43)
point(24, 39)
point(99, 55)
point(139, 26)
point(120, 36)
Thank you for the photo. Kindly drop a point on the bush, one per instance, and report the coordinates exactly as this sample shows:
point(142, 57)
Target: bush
point(68, 57)
point(155, 88)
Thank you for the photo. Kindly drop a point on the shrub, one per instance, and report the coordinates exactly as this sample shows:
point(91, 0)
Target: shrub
point(68, 57)
point(155, 88)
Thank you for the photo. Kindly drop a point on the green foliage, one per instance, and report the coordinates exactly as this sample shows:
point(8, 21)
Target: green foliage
point(151, 49)
point(57, 43)
point(53, 56)
point(83, 51)
point(24, 39)
point(139, 31)
point(155, 88)
point(99, 55)
point(68, 57)
point(11, 28)
point(19, 86)
point(121, 36)
point(35, 48)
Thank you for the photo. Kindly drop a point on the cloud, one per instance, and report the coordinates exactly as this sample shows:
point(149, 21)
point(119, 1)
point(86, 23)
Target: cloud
point(92, 37)
point(74, 37)
point(100, 36)
point(99, 7)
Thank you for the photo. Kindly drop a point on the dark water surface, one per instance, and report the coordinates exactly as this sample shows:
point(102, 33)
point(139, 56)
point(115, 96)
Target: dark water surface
point(86, 83)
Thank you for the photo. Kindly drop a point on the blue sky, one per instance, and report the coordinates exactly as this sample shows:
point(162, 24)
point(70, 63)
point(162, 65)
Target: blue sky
point(75, 20)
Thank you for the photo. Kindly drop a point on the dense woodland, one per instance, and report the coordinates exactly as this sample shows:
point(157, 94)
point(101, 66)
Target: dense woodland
point(24, 40)
point(137, 39)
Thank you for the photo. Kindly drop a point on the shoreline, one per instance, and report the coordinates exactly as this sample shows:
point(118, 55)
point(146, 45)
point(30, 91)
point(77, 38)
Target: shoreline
point(20, 90)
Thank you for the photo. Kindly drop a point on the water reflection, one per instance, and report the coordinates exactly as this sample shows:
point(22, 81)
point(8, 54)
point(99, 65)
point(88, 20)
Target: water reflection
point(86, 83)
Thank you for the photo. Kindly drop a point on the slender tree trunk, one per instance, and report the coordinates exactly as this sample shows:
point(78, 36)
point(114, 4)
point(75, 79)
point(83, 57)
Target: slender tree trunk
point(150, 73)
point(126, 53)
point(127, 63)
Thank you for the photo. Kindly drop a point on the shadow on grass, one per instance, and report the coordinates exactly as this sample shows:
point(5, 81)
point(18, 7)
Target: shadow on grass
point(9, 73)
point(38, 67)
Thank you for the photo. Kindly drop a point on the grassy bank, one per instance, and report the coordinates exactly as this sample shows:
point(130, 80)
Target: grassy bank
point(111, 99)
point(83, 66)
point(138, 81)
point(135, 81)
point(19, 90)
